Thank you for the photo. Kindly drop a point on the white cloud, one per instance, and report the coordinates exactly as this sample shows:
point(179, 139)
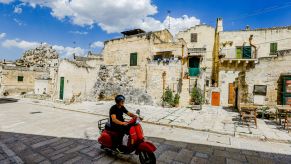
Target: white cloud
point(2, 35)
point(25, 45)
point(6, 1)
point(97, 44)
point(112, 15)
point(69, 51)
point(17, 10)
point(22, 44)
point(79, 32)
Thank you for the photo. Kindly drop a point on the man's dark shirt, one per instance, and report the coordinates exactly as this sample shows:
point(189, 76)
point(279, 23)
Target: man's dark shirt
point(118, 112)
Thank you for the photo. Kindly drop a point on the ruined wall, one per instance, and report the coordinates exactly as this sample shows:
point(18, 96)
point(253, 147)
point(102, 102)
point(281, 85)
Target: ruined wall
point(79, 80)
point(115, 80)
point(10, 83)
point(261, 39)
point(267, 72)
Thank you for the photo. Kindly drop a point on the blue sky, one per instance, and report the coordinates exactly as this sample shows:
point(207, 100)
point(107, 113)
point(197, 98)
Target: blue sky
point(81, 25)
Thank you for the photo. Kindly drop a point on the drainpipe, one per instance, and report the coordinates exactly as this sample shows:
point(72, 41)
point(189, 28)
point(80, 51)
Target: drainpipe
point(164, 85)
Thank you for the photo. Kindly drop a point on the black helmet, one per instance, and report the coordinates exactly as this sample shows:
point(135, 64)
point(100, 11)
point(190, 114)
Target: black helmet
point(119, 98)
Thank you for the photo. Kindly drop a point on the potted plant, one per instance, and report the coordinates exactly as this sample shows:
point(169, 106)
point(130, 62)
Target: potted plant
point(197, 98)
point(176, 100)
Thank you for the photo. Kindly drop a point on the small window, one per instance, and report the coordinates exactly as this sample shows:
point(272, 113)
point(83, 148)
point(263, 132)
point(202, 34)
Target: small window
point(273, 48)
point(260, 90)
point(193, 37)
point(133, 59)
point(20, 78)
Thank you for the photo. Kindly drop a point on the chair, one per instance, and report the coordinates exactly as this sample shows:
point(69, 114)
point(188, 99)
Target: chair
point(248, 112)
point(281, 115)
point(287, 121)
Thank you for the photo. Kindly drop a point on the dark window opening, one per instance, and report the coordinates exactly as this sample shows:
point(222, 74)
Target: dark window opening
point(20, 78)
point(194, 37)
point(133, 59)
point(260, 90)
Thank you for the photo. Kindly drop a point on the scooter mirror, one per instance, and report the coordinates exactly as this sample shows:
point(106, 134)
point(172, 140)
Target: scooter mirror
point(138, 112)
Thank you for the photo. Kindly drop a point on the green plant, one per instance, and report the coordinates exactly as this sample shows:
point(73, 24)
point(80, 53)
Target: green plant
point(176, 99)
point(197, 96)
point(168, 96)
point(170, 99)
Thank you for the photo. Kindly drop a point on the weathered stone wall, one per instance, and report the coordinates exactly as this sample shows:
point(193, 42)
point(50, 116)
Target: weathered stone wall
point(261, 39)
point(155, 79)
point(116, 80)
point(267, 72)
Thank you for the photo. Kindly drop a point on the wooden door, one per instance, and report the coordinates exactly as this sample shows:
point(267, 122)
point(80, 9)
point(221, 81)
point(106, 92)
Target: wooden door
point(215, 99)
point(231, 94)
point(62, 83)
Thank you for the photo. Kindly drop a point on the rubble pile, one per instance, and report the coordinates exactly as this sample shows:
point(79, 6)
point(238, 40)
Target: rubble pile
point(115, 80)
point(39, 56)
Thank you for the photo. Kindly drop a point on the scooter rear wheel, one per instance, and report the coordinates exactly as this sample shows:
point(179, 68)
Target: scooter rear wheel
point(147, 158)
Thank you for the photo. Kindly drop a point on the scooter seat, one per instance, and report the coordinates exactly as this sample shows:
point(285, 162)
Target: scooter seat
point(108, 126)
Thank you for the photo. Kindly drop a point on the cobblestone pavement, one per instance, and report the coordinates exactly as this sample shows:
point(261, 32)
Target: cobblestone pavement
point(28, 148)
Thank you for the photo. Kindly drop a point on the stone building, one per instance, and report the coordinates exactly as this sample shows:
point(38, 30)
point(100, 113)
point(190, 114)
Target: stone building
point(147, 55)
point(15, 80)
point(199, 41)
point(76, 78)
point(251, 62)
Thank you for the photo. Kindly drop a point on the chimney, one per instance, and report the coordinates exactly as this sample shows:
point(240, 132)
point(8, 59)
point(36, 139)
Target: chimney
point(219, 25)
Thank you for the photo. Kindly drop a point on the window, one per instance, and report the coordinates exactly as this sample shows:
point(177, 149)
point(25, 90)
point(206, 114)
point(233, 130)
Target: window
point(20, 78)
point(238, 52)
point(260, 90)
point(194, 37)
point(133, 59)
point(273, 48)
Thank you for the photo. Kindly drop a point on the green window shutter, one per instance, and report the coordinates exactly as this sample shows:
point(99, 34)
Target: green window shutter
point(247, 52)
point(273, 48)
point(238, 52)
point(133, 59)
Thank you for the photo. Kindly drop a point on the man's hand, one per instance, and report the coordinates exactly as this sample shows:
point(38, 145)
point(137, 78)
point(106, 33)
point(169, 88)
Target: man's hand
point(124, 123)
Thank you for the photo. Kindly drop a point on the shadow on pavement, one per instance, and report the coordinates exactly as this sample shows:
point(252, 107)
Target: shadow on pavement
point(7, 100)
point(32, 148)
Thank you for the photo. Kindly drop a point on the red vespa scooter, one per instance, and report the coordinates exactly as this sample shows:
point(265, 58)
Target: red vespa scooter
point(136, 141)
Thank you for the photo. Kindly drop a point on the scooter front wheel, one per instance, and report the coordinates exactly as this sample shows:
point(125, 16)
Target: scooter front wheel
point(147, 157)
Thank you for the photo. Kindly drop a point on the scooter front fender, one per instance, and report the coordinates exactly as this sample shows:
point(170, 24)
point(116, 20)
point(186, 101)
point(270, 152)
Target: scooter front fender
point(146, 146)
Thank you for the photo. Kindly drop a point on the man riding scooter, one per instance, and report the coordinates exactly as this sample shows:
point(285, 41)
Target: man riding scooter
point(117, 121)
point(112, 134)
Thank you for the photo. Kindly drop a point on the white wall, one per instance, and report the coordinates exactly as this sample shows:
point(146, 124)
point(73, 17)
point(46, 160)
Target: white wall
point(77, 80)
point(41, 86)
